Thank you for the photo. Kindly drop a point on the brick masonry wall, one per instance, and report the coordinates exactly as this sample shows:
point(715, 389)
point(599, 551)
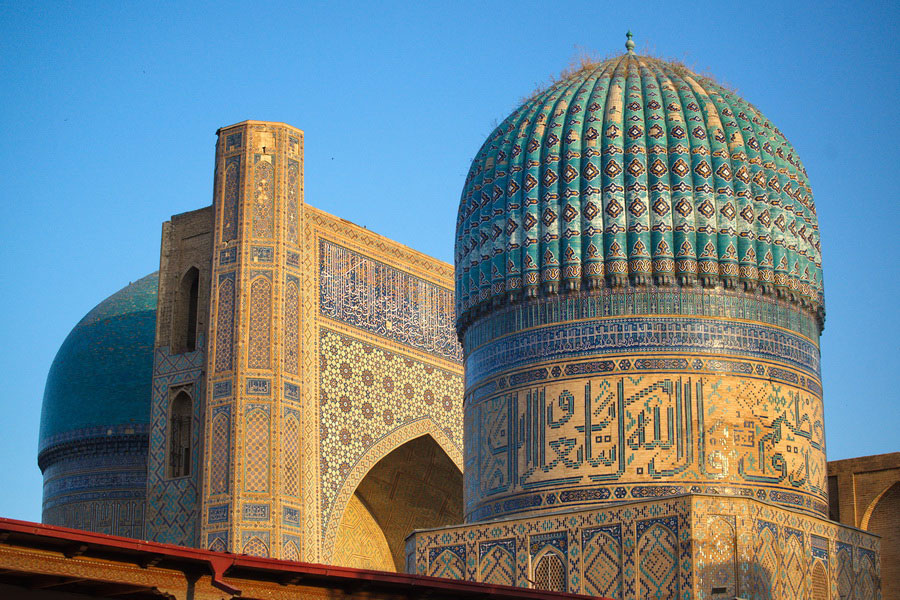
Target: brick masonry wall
point(868, 496)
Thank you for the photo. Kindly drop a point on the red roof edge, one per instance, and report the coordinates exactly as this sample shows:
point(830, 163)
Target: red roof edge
point(219, 563)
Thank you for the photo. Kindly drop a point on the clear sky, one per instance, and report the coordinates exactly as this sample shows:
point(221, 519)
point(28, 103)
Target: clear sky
point(108, 113)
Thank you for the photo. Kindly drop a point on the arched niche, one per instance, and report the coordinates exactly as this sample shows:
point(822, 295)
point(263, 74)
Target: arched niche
point(415, 486)
point(184, 315)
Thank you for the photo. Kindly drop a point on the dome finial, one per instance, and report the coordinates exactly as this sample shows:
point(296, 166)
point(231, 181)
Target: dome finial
point(629, 45)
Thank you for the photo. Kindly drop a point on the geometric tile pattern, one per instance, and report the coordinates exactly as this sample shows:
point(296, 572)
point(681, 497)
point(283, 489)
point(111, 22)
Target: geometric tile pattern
point(264, 197)
point(219, 448)
point(259, 343)
point(94, 429)
point(292, 325)
point(696, 302)
point(367, 393)
point(256, 448)
point(447, 562)
point(251, 382)
point(657, 548)
point(225, 323)
point(497, 562)
point(292, 209)
point(427, 381)
point(602, 559)
point(255, 547)
point(793, 565)
point(291, 454)
point(288, 469)
point(846, 575)
point(669, 548)
point(658, 335)
point(768, 559)
point(867, 575)
point(231, 198)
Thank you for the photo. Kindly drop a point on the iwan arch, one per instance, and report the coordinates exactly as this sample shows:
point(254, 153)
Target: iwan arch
point(638, 292)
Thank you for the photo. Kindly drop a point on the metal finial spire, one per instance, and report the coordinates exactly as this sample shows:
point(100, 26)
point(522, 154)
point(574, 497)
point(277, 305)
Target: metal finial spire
point(629, 45)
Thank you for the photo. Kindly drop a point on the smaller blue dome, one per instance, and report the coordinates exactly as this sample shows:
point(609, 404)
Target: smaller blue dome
point(101, 376)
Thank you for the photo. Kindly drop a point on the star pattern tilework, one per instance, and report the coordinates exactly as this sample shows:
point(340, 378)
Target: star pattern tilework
point(368, 392)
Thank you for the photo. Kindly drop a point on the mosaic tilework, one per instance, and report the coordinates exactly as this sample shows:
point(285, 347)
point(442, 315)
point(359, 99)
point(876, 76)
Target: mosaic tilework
point(260, 338)
point(611, 337)
point(575, 537)
point(768, 559)
point(224, 348)
point(647, 549)
point(614, 437)
point(448, 562)
point(778, 550)
point(867, 579)
point(256, 450)
point(818, 585)
point(657, 546)
point(384, 300)
point(220, 451)
point(292, 325)
point(698, 302)
point(292, 208)
point(497, 562)
point(717, 554)
point(96, 479)
point(290, 550)
point(263, 225)
point(602, 560)
point(218, 542)
point(94, 430)
point(320, 522)
point(254, 545)
point(290, 449)
point(368, 392)
point(231, 198)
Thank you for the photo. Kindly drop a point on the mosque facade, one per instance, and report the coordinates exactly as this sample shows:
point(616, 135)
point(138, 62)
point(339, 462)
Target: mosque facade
point(615, 392)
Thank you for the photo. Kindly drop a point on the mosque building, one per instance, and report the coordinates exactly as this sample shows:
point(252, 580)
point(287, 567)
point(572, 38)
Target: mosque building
point(615, 391)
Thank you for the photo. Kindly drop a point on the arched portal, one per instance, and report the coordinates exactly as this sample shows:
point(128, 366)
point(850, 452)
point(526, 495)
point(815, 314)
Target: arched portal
point(415, 486)
point(881, 518)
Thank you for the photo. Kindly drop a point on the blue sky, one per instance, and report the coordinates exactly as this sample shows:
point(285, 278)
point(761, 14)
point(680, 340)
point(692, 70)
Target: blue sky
point(108, 113)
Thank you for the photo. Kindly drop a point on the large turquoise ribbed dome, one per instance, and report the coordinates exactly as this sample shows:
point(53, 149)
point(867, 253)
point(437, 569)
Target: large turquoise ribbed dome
point(101, 376)
point(635, 172)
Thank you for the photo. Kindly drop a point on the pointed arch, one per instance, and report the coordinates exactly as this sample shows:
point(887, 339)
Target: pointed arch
point(184, 318)
point(548, 571)
point(413, 484)
point(378, 451)
point(179, 435)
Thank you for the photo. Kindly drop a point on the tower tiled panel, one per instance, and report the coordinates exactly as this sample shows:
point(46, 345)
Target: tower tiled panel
point(254, 336)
